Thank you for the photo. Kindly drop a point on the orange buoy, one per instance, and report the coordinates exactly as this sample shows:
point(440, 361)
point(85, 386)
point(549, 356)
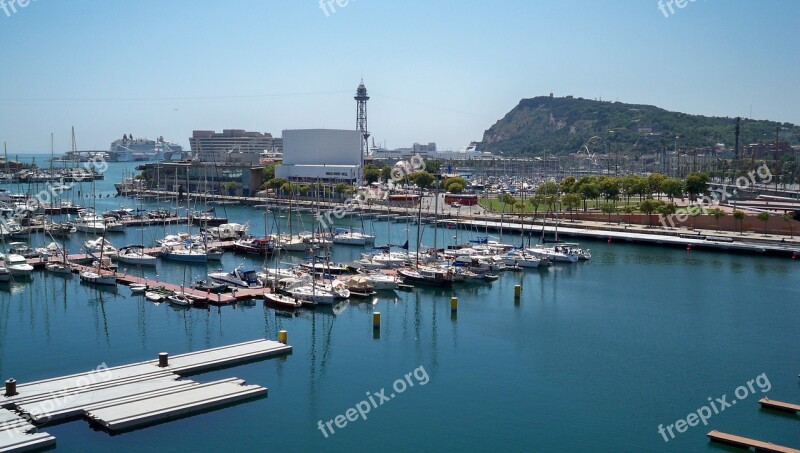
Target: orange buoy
point(689, 247)
point(794, 255)
point(609, 239)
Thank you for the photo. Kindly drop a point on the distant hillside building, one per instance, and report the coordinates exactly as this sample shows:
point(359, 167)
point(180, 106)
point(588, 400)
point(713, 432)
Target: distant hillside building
point(233, 146)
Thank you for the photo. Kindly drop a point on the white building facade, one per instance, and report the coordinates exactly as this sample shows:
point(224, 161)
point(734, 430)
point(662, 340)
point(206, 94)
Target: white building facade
point(324, 155)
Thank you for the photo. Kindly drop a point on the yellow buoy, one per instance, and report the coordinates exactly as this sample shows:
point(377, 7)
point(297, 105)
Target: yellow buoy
point(283, 337)
point(517, 291)
point(376, 320)
point(454, 303)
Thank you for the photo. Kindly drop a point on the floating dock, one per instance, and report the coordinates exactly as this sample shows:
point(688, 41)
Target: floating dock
point(17, 434)
point(779, 405)
point(148, 409)
point(744, 442)
point(129, 396)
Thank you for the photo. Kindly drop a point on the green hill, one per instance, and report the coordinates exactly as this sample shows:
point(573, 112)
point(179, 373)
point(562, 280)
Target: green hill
point(564, 125)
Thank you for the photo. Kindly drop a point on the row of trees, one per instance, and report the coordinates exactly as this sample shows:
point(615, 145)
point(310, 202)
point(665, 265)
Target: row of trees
point(571, 193)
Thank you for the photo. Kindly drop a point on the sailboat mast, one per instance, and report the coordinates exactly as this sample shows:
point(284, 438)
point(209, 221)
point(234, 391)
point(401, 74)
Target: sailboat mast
point(436, 218)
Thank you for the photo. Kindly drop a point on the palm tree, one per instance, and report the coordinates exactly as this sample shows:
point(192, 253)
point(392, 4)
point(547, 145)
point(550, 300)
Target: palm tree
point(739, 216)
point(764, 217)
point(788, 218)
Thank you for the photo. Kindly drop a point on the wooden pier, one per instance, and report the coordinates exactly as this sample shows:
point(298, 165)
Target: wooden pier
point(78, 262)
point(779, 406)
point(129, 396)
point(747, 443)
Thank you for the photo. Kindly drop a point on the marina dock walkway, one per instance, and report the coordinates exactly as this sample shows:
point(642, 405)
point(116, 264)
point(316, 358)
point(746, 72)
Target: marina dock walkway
point(744, 442)
point(129, 396)
point(779, 405)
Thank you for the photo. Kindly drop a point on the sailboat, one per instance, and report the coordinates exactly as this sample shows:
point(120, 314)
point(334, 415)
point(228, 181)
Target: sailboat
point(275, 297)
point(5, 272)
point(63, 267)
point(185, 252)
point(428, 275)
point(99, 276)
point(134, 254)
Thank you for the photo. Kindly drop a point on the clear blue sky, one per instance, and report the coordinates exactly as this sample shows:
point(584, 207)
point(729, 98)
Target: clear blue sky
point(440, 71)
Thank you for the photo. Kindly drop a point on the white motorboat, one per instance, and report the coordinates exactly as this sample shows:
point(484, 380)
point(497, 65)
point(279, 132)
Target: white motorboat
point(137, 287)
point(17, 265)
point(555, 254)
point(381, 281)
point(89, 222)
point(269, 275)
point(101, 245)
point(583, 254)
point(154, 296)
point(113, 225)
point(520, 258)
point(179, 299)
point(238, 278)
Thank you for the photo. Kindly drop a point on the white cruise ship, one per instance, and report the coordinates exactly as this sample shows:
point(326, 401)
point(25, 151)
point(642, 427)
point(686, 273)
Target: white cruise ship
point(129, 149)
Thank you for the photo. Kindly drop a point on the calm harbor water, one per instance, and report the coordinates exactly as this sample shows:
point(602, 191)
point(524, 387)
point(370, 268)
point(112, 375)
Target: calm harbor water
point(593, 357)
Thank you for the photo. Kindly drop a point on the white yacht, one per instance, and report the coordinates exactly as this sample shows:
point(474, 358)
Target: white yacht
point(17, 265)
point(555, 254)
point(183, 254)
point(381, 281)
point(238, 278)
point(101, 245)
point(353, 238)
point(89, 222)
point(520, 258)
